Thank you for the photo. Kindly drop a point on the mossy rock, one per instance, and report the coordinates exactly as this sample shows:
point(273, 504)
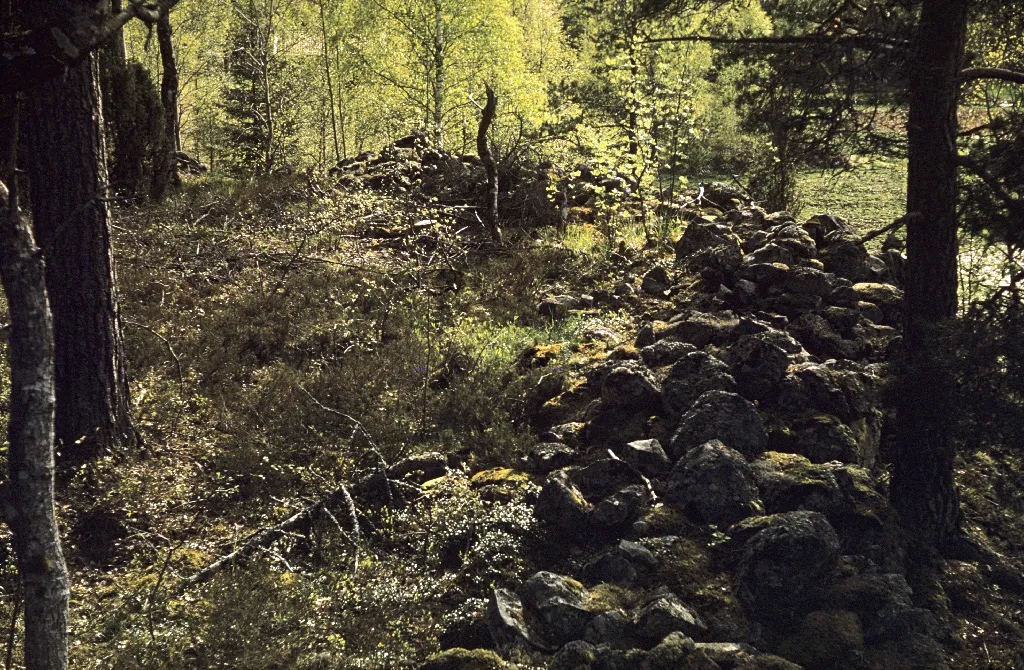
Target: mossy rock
point(828, 639)
point(465, 659)
point(607, 597)
point(539, 356)
point(624, 352)
point(501, 484)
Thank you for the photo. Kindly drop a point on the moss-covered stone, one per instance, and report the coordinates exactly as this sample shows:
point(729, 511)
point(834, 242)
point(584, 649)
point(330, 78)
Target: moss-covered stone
point(465, 659)
point(828, 639)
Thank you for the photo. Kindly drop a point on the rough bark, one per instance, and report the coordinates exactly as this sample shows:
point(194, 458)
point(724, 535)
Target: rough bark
point(487, 158)
point(167, 171)
point(29, 506)
point(62, 35)
point(923, 491)
point(70, 215)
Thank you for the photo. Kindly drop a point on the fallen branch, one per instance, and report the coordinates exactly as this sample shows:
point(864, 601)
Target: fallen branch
point(891, 228)
point(263, 539)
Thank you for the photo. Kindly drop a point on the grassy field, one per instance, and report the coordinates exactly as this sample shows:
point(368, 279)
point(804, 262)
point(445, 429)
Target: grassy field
point(870, 195)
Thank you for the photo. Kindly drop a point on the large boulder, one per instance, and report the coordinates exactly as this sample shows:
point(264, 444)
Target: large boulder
point(843, 389)
point(665, 352)
point(702, 328)
point(787, 566)
point(723, 416)
point(667, 614)
point(692, 377)
point(561, 506)
point(507, 622)
point(647, 456)
point(559, 604)
point(844, 254)
point(604, 477)
point(758, 366)
point(715, 485)
point(630, 390)
point(701, 236)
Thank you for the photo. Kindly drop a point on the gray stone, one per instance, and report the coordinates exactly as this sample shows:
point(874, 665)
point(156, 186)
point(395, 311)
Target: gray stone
point(665, 352)
point(613, 629)
point(575, 655)
point(758, 366)
point(507, 623)
point(701, 328)
point(703, 235)
point(630, 390)
point(724, 416)
point(647, 456)
point(714, 485)
point(844, 255)
point(818, 337)
point(667, 614)
point(559, 604)
point(561, 506)
point(620, 509)
point(691, 377)
point(786, 565)
point(602, 478)
point(548, 456)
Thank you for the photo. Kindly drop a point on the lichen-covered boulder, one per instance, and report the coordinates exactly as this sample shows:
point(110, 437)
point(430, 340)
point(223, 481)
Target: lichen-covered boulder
point(508, 625)
point(647, 456)
point(823, 438)
point(886, 298)
point(701, 328)
point(691, 377)
point(818, 336)
point(703, 235)
point(664, 352)
point(561, 506)
point(667, 614)
point(630, 390)
point(827, 640)
point(576, 655)
point(464, 659)
point(559, 604)
point(843, 389)
point(714, 484)
point(723, 416)
point(842, 253)
point(546, 457)
point(758, 365)
point(676, 652)
point(787, 566)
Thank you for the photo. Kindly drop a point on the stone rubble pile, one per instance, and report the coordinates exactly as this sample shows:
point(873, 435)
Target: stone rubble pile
point(709, 491)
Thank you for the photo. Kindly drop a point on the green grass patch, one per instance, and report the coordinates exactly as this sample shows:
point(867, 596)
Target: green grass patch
point(871, 195)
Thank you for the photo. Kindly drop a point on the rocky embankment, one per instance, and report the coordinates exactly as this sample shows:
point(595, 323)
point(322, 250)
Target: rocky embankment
point(708, 498)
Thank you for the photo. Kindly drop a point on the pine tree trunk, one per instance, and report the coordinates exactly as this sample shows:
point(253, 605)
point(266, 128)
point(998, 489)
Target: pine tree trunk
point(70, 216)
point(923, 491)
point(30, 428)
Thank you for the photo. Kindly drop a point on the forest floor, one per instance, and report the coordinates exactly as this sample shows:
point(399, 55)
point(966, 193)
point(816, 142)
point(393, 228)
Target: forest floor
point(283, 339)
